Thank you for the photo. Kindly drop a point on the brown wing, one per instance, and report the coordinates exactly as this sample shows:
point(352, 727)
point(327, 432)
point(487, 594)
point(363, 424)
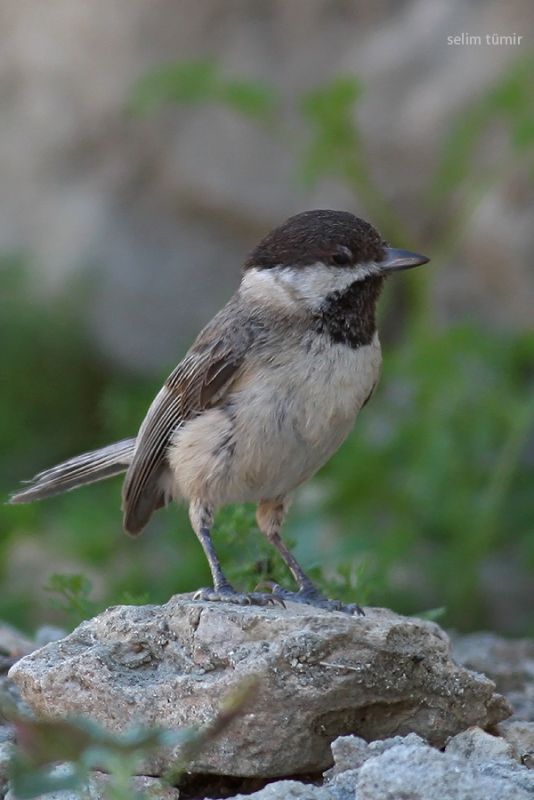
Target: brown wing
point(198, 382)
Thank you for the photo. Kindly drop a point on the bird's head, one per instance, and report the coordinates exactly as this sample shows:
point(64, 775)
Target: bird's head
point(316, 254)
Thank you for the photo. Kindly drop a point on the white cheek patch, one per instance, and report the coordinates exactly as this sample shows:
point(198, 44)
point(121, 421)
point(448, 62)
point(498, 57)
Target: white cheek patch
point(313, 283)
point(310, 284)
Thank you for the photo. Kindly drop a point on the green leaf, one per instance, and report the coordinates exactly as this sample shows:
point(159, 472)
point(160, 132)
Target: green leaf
point(333, 100)
point(193, 82)
point(509, 100)
point(432, 614)
point(43, 742)
point(334, 146)
point(75, 590)
point(132, 599)
point(184, 83)
point(253, 100)
point(28, 783)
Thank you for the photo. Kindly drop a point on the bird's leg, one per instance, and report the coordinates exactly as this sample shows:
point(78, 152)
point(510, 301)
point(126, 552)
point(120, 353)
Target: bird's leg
point(270, 516)
point(201, 516)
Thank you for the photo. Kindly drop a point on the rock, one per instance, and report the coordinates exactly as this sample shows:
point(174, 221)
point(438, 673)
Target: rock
point(351, 752)
point(6, 734)
point(151, 788)
point(13, 642)
point(512, 772)
point(508, 662)
point(343, 785)
point(5, 758)
point(321, 674)
point(520, 735)
point(290, 790)
point(423, 773)
point(10, 703)
point(407, 768)
point(348, 752)
point(97, 789)
point(477, 745)
point(49, 633)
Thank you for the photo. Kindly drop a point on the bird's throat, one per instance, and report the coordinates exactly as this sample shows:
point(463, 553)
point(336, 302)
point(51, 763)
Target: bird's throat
point(349, 316)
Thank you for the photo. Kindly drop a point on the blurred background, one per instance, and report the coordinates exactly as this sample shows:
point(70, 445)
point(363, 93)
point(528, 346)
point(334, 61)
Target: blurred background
point(144, 148)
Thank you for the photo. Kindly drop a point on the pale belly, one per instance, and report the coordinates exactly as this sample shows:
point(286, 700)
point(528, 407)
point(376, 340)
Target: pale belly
point(276, 430)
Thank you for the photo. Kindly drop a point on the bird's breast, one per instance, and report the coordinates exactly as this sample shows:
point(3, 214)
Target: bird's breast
point(284, 417)
point(315, 389)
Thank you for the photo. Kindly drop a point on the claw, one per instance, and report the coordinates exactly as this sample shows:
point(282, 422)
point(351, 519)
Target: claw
point(273, 599)
point(228, 594)
point(278, 596)
point(312, 597)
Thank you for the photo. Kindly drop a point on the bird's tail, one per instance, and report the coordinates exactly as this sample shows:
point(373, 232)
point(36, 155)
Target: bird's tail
point(77, 471)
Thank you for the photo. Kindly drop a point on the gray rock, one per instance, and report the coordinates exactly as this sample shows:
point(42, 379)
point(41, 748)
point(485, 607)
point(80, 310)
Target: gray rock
point(348, 752)
point(520, 736)
point(321, 675)
point(477, 745)
point(6, 734)
point(511, 772)
point(343, 786)
point(407, 768)
point(5, 757)
point(291, 790)
point(508, 662)
point(423, 773)
point(11, 703)
point(49, 633)
point(13, 643)
point(351, 752)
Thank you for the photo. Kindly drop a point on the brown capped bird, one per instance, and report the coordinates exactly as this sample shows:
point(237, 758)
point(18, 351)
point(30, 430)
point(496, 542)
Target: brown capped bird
point(267, 393)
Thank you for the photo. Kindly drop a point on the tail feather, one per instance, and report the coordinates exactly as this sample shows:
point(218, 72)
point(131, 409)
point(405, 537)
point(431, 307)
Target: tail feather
point(86, 468)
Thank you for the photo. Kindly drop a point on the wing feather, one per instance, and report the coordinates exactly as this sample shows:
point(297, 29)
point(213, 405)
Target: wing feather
point(198, 382)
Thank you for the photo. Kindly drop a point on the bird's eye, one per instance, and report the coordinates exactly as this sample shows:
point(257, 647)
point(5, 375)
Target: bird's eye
point(343, 256)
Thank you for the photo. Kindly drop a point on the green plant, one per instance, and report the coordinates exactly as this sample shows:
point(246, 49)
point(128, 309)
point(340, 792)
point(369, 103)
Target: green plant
point(436, 480)
point(74, 591)
point(81, 745)
point(194, 82)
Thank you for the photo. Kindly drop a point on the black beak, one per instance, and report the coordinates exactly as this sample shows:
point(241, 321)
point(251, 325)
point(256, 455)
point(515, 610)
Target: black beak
point(397, 260)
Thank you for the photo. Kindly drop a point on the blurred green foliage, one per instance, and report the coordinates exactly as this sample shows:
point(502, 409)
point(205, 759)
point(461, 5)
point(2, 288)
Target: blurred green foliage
point(440, 461)
point(59, 755)
point(434, 483)
point(509, 101)
point(74, 592)
point(194, 82)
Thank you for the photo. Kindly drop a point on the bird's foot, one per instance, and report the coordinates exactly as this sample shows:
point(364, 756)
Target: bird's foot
point(227, 594)
point(313, 597)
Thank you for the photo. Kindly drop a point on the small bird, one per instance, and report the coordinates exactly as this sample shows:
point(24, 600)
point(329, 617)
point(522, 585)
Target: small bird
point(265, 396)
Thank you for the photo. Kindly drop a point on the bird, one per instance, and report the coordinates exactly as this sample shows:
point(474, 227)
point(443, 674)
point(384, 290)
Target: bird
point(267, 393)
